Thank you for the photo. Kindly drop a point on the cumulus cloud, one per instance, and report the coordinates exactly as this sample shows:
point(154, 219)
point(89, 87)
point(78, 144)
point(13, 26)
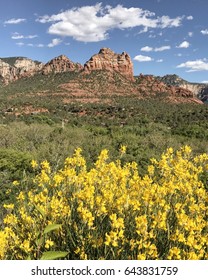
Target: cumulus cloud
point(20, 44)
point(142, 58)
point(55, 42)
point(163, 48)
point(146, 49)
point(204, 82)
point(36, 45)
point(195, 65)
point(159, 60)
point(160, 49)
point(204, 32)
point(184, 45)
point(14, 21)
point(190, 18)
point(17, 36)
point(166, 21)
point(93, 23)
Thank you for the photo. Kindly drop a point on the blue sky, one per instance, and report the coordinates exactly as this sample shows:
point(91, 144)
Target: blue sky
point(161, 36)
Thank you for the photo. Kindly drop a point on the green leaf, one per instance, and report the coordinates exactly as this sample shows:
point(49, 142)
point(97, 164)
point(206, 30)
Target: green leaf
point(39, 241)
point(40, 210)
point(51, 227)
point(53, 255)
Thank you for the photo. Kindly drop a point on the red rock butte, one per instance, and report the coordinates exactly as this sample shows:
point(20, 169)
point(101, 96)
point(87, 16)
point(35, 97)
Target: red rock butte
point(61, 64)
point(106, 59)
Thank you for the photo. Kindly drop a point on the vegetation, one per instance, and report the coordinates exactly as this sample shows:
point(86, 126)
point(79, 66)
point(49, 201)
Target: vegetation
point(37, 125)
point(110, 211)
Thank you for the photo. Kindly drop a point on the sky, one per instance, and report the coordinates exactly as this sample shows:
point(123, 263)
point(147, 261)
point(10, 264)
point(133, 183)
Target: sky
point(161, 36)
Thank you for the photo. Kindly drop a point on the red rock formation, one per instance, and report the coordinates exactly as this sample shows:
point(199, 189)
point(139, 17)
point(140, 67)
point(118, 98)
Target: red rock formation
point(179, 91)
point(106, 59)
point(61, 64)
point(150, 85)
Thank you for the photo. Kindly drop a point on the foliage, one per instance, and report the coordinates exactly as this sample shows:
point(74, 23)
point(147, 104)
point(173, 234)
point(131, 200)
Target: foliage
point(109, 211)
point(14, 161)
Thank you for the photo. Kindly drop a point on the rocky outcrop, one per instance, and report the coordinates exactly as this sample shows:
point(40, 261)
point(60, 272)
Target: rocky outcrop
point(8, 73)
point(14, 68)
point(27, 66)
point(197, 89)
point(106, 59)
point(149, 85)
point(61, 64)
point(116, 77)
point(204, 94)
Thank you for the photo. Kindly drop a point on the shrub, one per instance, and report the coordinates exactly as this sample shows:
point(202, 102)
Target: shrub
point(110, 211)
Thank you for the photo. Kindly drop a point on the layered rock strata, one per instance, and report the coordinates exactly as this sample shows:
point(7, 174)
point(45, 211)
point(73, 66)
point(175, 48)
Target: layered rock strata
point(61, 64)
point(106, 59)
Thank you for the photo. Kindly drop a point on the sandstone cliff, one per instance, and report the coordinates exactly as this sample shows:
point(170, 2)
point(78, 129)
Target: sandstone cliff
point(8, 73)
point(14, 68)
point(116, 76)
point(150, 85)
point(106, 59)
point(26, 66)
point(174, 80)
point(61, 64)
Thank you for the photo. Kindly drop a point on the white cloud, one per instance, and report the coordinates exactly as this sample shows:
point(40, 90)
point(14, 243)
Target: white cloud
point(152, 36)
point(20, 44)
point(159, 60)
point(55, 42)
point(190, 18)
point(93, 23)
point(195, 65)
point(150, 49)
point(163, 48)
point(146, 49)
point(165, 22)
point(184, 45)
point(190, 34)
point(31, 36)
point(15, 20)
point(142, 58)
point(17, 36)
point(36, 45)
point(204, 82)
point(204, 32)
point(39, 45)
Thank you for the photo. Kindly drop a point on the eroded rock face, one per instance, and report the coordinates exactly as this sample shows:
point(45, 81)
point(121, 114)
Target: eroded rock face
point(61, 64)
point(20, 67)
point(8, 73)
point(27, 65)
point(106, 59)
point(149, 85)
point(175, 80)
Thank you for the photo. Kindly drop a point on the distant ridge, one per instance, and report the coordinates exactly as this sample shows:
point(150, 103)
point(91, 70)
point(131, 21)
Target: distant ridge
point(107, 72)
point(199, 89)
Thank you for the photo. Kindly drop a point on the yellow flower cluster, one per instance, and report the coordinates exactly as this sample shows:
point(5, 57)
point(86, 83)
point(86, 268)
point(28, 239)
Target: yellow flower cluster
point(110, 211)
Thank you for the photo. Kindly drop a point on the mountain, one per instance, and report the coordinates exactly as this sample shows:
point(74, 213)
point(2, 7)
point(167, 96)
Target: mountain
point(199, 90)
point(13, 68)
point(105, 73)
point(61, 64)
point(106, 59)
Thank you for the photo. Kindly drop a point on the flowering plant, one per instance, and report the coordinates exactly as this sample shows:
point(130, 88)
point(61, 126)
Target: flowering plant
point(110, 211)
